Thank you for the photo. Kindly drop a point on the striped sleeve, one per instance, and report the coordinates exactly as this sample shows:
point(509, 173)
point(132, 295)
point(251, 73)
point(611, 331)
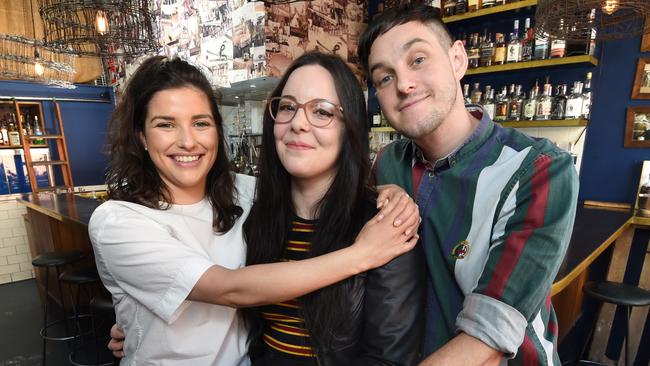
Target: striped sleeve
point(530, 236)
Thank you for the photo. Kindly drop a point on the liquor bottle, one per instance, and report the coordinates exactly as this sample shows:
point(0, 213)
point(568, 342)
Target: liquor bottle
point(500, 2)
point(450, 7)
point(574, 102)
point(586, 98)
point(544, 104)
point(475, 96)
point(14, 135)
point(527, 42)
point(473, 5)
point(38, 132)
point(466, 94)
point(474, 52)
point(516, 105)
point(30, 129)
point(501, 110)
point(461, 7)
point(559, 103)
point(376, 119)
point(23, 123)
point(591, 44)
point(487, 51)
point(558, 45)
point(487, 4)
point(4, 136)
point(541, 47)
point(499, 50)
point(529, 109)
point(513, 52)
point(488, 105)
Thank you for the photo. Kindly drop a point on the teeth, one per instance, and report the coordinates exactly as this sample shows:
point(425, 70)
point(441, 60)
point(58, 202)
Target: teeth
point(186, 159)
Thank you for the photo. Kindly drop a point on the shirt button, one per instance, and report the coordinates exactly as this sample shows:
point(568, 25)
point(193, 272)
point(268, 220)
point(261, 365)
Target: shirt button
point(431, 174)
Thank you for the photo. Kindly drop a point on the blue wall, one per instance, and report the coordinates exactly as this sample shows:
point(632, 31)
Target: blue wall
point(611, 172)
point(84, 124)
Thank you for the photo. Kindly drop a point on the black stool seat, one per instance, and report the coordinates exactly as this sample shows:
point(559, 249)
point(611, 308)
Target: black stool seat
point(52, 259)
point(618, 293)
point(80, 276)
point(102, 303)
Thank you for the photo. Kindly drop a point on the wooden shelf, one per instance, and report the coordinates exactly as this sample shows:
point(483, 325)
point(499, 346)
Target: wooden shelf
point(382, 129)
point(492, 10)
point(21, 146)
point(582, 59)
point(549, 123)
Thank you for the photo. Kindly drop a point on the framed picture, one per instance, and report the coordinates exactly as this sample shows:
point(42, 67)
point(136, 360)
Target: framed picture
point(645, 40)
point(637, 127)
point(641, 88)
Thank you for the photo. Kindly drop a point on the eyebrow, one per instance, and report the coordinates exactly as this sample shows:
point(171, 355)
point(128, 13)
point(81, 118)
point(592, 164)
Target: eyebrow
point(170, 118)
point(405, 48)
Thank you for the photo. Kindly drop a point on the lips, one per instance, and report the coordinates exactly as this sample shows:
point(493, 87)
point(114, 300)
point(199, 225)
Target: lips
point(297, 145)
point(186, 158)
point(411, 102)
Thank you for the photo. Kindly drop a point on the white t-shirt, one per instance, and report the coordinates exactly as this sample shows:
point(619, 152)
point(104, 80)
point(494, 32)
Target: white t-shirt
point(150, 260)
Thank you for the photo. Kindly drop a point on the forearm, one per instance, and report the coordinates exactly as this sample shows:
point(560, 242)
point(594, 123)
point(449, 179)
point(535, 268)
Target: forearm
point(275, 282)
point(464, 350)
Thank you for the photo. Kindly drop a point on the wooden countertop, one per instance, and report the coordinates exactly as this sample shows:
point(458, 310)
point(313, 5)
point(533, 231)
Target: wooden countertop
point(595, 229)
point(62, 206)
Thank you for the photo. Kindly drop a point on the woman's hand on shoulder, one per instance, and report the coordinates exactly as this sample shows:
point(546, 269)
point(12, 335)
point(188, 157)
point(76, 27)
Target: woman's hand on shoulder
point(380, 240)
point(388, 199)
point(116, 344)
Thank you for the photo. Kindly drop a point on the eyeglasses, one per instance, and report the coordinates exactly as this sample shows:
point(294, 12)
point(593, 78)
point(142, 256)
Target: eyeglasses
point(319, 112)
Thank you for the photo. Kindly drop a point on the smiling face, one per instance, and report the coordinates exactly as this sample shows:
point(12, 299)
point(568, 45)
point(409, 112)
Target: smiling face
point(180, 134)
point(415, 77)
point(308, 152)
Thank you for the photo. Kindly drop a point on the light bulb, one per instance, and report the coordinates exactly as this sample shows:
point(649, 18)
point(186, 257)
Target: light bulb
point(101, 22)
point(610, 6)
point(38, 68)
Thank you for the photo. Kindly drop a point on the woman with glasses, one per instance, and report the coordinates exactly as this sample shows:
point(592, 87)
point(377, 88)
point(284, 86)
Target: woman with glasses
point(312, 199)
point(168, 244)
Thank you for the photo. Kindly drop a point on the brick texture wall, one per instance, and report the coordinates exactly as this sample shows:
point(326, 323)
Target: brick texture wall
point(15, 258)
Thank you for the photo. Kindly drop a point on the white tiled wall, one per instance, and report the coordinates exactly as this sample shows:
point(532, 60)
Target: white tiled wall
point(15, 258)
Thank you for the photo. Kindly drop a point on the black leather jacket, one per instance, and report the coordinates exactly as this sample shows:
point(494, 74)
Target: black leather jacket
point(386, 320)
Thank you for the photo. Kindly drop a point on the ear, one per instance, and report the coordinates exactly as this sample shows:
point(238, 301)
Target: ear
point(458, 59)
point(143, 140)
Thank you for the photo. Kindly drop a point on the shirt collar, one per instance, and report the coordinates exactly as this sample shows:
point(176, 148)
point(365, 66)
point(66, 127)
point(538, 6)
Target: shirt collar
point(470, 145)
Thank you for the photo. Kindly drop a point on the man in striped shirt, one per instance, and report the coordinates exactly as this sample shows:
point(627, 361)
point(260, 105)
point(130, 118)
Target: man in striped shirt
point(497, 206)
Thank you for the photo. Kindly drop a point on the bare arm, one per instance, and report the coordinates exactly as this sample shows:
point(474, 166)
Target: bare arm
point(377, 243)
point(464, 350)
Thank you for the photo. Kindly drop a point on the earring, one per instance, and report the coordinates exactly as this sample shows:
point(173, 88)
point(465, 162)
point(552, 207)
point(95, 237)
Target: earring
point(145, 146)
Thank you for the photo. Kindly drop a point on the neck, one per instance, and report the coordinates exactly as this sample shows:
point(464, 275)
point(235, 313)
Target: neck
point(306, 193)
point(451, 133)
point(186, 197)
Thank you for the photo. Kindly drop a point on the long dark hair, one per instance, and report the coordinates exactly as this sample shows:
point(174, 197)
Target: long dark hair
point(132, 176)
point(340, 211)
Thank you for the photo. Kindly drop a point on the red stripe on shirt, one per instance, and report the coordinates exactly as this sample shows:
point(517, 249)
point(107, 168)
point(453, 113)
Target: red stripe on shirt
point(418, 171)
point(516, 242)
point(529, 352)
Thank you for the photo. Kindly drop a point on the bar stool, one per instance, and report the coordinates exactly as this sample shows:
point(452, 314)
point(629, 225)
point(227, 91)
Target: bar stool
point(620, 294)
point(83, 278)
point(57, 260)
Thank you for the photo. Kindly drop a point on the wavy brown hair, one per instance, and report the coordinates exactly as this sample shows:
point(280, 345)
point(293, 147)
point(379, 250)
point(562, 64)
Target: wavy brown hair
point(132, 176)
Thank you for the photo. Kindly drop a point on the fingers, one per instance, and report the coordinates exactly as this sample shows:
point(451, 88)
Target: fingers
point(117, 332)
point(385, 193)
point(394, 207)
point(411, 225)
point(116, 347)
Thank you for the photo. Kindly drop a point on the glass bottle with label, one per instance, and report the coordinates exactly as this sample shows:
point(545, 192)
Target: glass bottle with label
point(513, 52)
point(501, 112)
point(527, 42)
point(475, 96)
point(559, 103)
point(544, 104)
point(516, 105)
point(4, 133)
point(473, 53)
point(528, 113)
point(500, 50)
point(574, 102)
point(487, 4)
point(461, 7)
point(489, 105)
point(558, 45)
point(14, 135)
point(541, 47)
point(472, 5)
point(586, 98)
point(487, 51)
point(450, 7)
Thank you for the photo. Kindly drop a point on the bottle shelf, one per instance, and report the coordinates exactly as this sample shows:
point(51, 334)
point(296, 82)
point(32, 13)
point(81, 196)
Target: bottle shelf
point(382, 129)
point(548, 123)
point(582, 59)
point(492, 10)
point(21, 146)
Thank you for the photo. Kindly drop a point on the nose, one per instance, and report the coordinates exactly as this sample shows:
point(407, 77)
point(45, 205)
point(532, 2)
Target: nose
point(299, 121)
point(185, 138)
point(405, 82)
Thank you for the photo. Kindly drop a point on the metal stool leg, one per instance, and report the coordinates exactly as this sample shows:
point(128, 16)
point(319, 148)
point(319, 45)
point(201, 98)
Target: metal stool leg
point(627, 340)
point(47, 282)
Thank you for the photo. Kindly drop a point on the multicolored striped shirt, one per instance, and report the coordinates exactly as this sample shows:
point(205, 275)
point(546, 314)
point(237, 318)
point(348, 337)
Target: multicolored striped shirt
point(497, 218)
point(284, 330)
